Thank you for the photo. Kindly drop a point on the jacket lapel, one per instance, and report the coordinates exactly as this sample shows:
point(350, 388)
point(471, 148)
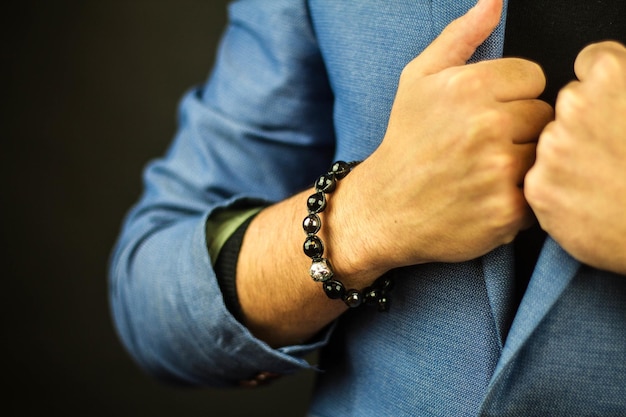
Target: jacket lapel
point(499, 272)
point(498, 265)
point(555, 270)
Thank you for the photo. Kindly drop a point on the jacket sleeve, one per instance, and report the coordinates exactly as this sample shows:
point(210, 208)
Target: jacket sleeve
point(259, 130)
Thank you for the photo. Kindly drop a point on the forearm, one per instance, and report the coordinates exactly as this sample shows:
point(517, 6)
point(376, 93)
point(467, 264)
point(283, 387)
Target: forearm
point(281, 304)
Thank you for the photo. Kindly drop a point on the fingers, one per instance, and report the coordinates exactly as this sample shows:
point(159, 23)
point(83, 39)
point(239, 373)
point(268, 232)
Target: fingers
point(524, 156)
point(527, 119)
point(603, 62)
point(459, 40)
point(511, 78)
point(519, 214)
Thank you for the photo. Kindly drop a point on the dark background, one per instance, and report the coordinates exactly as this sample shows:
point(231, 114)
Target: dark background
point(90, 95)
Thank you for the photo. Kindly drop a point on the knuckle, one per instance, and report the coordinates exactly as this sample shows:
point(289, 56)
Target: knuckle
point(510, 215)
point(549, 147)
point(532, 187)
point(468, 79)
point(609, 65)
point(504, 164)
point(507, 208)
point(571, 102)
point(537, 193)
point(488, 124)
point(605, 62)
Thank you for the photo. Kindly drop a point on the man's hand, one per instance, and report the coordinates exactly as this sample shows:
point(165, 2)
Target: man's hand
point(444, 185)
point(577, 187)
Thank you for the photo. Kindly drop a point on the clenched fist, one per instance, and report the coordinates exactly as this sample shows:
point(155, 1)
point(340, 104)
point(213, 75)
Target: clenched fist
point(577, 187)
point(445, 183)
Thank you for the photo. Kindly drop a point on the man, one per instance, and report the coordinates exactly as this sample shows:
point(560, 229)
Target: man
point(448, 180)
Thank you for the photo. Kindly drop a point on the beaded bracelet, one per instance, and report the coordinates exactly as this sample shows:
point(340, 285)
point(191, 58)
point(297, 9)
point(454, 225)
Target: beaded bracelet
point(321, 269)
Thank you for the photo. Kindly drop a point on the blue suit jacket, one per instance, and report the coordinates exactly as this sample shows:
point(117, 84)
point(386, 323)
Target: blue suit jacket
point(298, 84)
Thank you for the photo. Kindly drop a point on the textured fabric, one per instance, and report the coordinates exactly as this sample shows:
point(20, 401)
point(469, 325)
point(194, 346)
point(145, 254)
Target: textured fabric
point(433, 354)
point(296, 85)
point(566, 352)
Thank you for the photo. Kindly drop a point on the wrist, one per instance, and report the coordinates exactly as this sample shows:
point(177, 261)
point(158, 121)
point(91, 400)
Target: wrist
point(352, 275)
point(352, 243)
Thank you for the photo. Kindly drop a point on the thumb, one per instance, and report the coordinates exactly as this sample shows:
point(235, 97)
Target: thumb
point(459, 40)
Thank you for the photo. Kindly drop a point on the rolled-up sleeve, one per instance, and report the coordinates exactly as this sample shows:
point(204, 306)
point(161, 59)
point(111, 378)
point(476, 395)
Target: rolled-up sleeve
point(259, 130)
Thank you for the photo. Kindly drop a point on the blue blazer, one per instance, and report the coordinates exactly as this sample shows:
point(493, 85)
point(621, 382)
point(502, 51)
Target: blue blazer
point(296, 85)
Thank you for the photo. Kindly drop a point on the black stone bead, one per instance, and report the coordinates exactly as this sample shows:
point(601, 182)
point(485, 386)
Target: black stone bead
point(312, 224)
point(334, 289)
point(371, 296)
point(316, 202)
point(340, 169)
point(383, 304)
point(385, 284)
point(326, 183)
point(353, 298)
point(313, 247)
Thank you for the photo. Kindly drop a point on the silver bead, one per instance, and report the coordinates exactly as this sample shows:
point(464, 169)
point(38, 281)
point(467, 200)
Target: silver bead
point(321, 270)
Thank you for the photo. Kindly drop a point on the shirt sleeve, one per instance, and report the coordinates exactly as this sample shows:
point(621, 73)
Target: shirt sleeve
point(258, 131)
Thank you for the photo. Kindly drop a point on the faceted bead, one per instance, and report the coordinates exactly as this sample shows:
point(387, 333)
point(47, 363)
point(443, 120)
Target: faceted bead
point(353, 298)
point(313, 247)
point(312, 224)
point(340, 169)
point(326, 183)
point(316, 203)
point(334, 289)
point(321, 270)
